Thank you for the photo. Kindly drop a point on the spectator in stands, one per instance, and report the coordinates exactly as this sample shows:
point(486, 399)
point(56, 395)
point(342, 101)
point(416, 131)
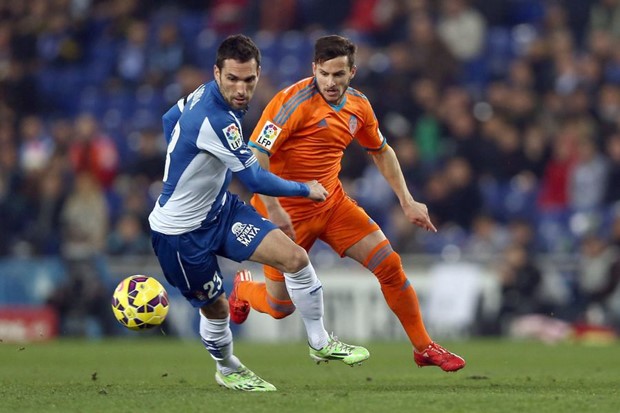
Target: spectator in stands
point(598, 278)
point(614, 237)
point(20, 90)
point(83, 301)
point(148, 159)
point(521, 283)
point(43, 230)
point(84, 218)
point(424, 112)
point(436, 196)
point(462, 28)
point(522, 232)
point(131, 64)
point(487, 240)
point(136, 200)
point(463, 139)
point(36, 146)
point(588, 177)
point(554, 195)
point(93, 152)
point(605, 16)
point(128, 238)
point(62, 42)
point(535, 150)
point(228, 16)
point(464, 193)
point(612, 151)
point(12, 209)
point(511, 160)
point(324, 15)
point(431, 57)
point(264, 19)
point(167, 55)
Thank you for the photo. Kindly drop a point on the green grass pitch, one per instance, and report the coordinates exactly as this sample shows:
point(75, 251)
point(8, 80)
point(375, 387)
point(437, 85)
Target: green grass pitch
point(168, 375)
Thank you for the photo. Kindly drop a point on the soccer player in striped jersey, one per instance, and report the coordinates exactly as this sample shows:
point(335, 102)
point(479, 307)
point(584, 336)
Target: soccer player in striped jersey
point(303, 133)
point(196, 218)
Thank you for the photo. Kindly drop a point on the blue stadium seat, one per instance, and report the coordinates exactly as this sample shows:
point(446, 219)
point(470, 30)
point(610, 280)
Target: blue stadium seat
point(190, 25)
point(205, 46)
point(553, 231)
point(499, 50)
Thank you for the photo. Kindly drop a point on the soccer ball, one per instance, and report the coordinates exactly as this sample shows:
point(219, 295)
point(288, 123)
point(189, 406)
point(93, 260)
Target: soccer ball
point(140, 302)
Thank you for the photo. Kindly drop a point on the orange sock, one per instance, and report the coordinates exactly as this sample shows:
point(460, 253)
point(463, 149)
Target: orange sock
point(256, 294)
point(398, 292)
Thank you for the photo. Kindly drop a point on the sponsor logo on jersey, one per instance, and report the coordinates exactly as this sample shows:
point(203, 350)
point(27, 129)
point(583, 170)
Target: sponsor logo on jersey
point(233, 136)
point(352, 124)
point(322, 124)
point(245, 233)
point(268, 135)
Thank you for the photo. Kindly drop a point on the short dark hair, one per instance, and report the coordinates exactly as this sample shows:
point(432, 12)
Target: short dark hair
point(237, 47)
point(330, 47)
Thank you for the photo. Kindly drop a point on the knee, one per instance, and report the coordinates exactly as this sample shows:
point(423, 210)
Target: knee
point(296, 260)
point(216, 310)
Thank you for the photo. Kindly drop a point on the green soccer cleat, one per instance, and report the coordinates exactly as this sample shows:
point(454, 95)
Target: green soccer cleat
point(337, 350)
point(243, 379)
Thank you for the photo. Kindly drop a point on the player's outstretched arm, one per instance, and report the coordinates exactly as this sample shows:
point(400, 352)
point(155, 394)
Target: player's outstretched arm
point(260, 181)
point(416, 212)
point(275, 212)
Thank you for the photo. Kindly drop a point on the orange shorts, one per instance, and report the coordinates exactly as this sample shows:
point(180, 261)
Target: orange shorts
point(341, 227)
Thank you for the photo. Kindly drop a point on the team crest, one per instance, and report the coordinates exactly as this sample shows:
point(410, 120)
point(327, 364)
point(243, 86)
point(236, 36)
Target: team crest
point(352, 124)
point(268, 135)
point(233, 136)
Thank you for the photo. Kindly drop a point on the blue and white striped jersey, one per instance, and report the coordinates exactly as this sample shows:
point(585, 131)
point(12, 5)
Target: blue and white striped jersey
point(205, 145)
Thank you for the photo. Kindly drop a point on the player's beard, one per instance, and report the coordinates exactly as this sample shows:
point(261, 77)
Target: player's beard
point(229, 97)
point(334, 98)
point(341, 92)
point(239, 105)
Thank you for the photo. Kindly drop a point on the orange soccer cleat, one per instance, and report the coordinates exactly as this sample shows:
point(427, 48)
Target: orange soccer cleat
point(435, 355)
point(239, 309)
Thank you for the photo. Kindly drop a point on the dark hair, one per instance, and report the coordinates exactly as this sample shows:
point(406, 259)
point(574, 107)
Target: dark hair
point(237, 47)
point(330, 47)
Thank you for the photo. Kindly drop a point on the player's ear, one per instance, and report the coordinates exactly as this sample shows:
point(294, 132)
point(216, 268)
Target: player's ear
point(353, 71)
point(216, 72)
point(313, 69)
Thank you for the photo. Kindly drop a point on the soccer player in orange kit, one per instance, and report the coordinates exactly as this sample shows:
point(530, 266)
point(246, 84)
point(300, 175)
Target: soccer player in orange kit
point(302, 135)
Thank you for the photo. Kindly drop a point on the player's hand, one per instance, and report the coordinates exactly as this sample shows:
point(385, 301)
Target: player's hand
point(417, 213)
point(282, 219)
point(317, 192)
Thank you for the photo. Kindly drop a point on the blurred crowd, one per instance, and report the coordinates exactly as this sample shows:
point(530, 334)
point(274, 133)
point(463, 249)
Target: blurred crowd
point(504, 114)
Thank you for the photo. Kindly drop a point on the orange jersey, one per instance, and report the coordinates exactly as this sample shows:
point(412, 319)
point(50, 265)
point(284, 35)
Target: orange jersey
point(305, 138)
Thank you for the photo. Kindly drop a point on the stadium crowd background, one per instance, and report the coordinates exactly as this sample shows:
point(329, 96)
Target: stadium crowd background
point(504, 114)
